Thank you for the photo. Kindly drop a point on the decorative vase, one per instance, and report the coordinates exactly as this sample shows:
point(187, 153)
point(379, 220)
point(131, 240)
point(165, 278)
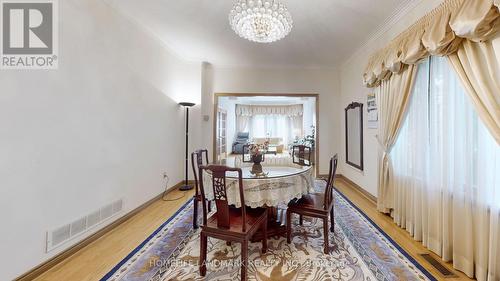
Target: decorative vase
point(257, 159)
point(257, 167)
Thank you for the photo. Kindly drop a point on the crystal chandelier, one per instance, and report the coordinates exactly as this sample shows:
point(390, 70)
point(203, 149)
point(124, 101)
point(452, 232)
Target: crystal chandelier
point(262, 21)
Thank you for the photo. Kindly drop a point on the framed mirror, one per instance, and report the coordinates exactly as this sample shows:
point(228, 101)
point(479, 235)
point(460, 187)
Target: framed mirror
point(354, 135)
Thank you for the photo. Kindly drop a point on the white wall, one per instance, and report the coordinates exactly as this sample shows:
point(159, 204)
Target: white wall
point(104, 126)
point(352, 89)
point(309, 117)
point(324, 82)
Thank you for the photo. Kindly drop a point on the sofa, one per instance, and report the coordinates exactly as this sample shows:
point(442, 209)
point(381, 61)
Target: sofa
point(273, 142)
point(240, 141)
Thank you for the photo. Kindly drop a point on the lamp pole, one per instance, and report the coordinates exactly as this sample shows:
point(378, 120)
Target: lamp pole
point(186, 105)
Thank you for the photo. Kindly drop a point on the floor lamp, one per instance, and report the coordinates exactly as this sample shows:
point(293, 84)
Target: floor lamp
point(186, 105)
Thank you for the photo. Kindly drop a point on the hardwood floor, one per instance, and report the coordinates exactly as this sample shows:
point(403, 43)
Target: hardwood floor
point(98, 258)
point(95, 260)
point(398, 234)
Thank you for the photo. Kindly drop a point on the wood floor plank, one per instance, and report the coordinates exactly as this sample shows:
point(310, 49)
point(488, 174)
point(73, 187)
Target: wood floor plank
point(98, 258)
point(399, 235)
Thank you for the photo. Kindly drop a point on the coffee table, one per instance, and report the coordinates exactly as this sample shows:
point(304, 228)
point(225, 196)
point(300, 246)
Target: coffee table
point(272, 149)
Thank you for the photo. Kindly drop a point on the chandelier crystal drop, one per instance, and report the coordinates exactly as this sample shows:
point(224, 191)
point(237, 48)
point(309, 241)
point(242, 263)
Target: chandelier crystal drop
point(262, 21)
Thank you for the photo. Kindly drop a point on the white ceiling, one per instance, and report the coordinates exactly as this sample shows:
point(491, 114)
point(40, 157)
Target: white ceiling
point(325, 33)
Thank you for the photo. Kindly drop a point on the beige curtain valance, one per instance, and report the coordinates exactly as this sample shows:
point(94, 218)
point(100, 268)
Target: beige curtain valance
point(440, 32)
point(251, 110)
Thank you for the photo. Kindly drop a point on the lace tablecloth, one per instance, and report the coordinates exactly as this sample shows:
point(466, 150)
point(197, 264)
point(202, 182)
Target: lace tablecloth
point(284, 183)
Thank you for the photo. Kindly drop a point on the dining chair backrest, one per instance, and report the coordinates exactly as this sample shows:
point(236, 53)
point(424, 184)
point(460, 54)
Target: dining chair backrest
point(218, 173)
point(245, 153)
point(302, 152)
point(329, 183)
point(196, 162)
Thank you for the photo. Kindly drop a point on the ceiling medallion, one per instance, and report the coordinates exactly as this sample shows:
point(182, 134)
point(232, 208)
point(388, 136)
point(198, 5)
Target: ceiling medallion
point(262, 21)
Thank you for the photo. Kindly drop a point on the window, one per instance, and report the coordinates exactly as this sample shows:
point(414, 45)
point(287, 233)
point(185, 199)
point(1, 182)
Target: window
point(443, 151)
point(275, 126)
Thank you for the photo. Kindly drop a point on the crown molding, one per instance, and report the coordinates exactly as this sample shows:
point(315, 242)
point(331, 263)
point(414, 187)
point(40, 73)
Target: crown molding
point(399, 13)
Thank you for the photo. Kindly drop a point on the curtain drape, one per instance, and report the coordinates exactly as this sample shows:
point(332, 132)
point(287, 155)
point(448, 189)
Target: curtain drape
point(442, 184)
point(297, 126)
point(273, 126)
point(410, 170)
point(251, 110)
point(477, 67)
point(447, 174)
point(284, 121)
point(242, 123)
point(440, 32)
point(393, 96)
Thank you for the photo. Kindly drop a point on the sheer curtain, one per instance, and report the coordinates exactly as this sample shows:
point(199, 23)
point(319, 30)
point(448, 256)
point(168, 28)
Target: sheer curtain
point(447, 174)
point(242, 123)
point(275, 121)
point(272, 125)
point(409, 157)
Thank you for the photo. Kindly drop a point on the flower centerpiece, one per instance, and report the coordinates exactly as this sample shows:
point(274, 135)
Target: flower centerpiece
point(257, 152)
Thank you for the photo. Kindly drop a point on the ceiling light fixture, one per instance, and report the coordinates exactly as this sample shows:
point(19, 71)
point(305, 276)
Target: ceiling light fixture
point(262, 21)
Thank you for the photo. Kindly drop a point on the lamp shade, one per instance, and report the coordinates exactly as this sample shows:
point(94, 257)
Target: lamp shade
point(187, 104)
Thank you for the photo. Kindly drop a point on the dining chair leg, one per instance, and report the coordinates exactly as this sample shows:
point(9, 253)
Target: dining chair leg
point(203, 254)
point(332, 221)
point(195, 212)
point(301, 219)
point(244, 260)
point(288, 226)
point(326, 234)
point(264, 239)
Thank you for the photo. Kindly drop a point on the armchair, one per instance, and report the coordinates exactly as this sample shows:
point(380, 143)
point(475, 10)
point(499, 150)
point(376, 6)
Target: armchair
point(240, 142)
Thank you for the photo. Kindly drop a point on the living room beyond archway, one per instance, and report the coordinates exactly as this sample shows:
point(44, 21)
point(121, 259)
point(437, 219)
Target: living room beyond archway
point(278, 121)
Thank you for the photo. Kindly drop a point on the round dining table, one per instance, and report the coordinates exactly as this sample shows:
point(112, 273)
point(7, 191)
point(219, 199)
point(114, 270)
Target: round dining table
point(280, 182)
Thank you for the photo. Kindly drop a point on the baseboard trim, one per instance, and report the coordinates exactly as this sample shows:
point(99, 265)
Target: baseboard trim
point(45, 266)
point(359, 189)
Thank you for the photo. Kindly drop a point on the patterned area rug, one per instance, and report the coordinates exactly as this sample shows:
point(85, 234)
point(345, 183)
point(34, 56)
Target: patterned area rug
point(360, 251)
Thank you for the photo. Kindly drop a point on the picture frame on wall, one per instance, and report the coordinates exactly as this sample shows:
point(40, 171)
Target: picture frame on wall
point(372, 109)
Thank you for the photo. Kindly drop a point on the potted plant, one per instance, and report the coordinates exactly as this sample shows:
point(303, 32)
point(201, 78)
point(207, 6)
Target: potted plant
point(308, 140)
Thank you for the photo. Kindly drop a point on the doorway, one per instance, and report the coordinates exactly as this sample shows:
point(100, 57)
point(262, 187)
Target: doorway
point(221, 134)
point(283, 120)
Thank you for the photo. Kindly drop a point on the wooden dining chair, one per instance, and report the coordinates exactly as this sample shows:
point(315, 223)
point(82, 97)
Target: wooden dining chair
point(245, 155)
point(301, 153)
point(196, 162)
point(316, 205)
point(229, 224)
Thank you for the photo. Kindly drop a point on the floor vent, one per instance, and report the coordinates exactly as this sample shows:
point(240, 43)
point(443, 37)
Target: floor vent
point(438, 266)
point(62, 234)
